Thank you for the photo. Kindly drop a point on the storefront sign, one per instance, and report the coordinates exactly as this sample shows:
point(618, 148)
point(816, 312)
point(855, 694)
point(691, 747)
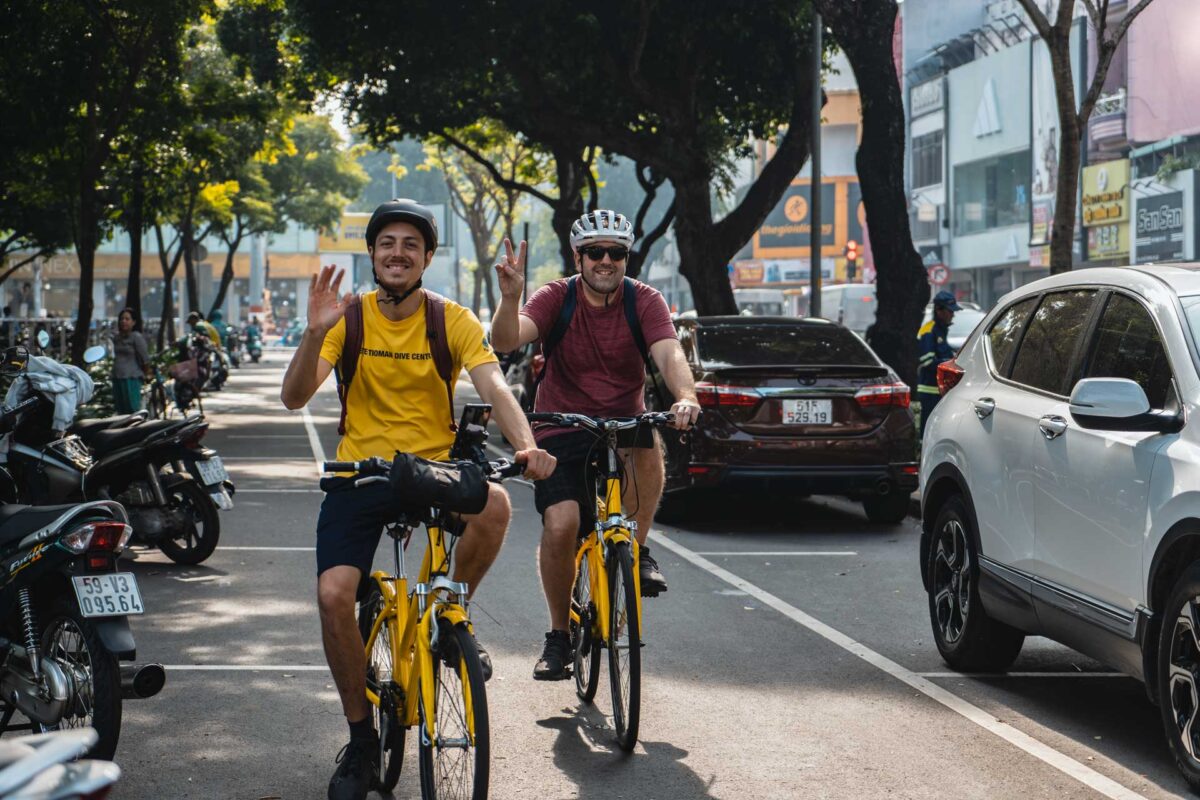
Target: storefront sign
point(348, 236)
point(748, 273)
point(926, 97)
point(1160, 228)
point(1106, 206)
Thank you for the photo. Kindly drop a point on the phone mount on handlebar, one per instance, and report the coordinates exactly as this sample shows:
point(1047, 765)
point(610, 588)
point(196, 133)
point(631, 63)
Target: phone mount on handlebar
point(472, 434)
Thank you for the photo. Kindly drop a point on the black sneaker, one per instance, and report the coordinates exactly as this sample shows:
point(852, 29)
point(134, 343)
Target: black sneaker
point(357, 770)
point(556, 655)
point(652, 580)
point(485, 660)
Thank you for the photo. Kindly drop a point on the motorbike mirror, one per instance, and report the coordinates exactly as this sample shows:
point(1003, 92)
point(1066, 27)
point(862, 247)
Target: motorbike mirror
point(94, 354)
point(43, 339)
point(15, 360)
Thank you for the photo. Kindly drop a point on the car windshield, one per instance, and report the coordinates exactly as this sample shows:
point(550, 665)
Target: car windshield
point(752, 345)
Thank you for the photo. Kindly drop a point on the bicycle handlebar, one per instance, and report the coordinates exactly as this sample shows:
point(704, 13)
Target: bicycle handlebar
point(375, 467)
point(601, 424)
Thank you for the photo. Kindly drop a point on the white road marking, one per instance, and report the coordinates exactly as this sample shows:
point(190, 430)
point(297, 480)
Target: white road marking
point(777, 553)
point(314, 441)
point(268, 436)
point(993, 675)
point(274, 491)
point(244, 668)
point(273, 549)
point(1060, 761)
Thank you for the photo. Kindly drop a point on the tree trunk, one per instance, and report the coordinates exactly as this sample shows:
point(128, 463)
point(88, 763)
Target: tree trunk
point(86, 239)
point(569, 167)
point(227, 272)
point(477, 290)
point(903, 286)
point(1070, 144)
point(137, 224)
point(701, 261)
point(166, 330)
point(189, 268)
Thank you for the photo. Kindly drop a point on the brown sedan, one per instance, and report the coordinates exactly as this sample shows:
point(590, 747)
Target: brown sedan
point(794, 407)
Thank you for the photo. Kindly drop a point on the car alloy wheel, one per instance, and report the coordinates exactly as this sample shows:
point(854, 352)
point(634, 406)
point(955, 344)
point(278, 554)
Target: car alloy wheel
point(1183, 676)
point(951, 581)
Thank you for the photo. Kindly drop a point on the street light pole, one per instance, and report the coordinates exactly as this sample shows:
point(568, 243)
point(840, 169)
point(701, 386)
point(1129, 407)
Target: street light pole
point(814, 185)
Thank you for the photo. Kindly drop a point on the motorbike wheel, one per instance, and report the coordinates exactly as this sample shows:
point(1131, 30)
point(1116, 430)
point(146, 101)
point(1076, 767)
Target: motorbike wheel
point(71, 639)
point(254, 358)
point(201, 529)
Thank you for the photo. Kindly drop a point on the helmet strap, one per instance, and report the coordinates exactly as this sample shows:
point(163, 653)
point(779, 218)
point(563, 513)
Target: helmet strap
point(391, 297)
point(607, 295)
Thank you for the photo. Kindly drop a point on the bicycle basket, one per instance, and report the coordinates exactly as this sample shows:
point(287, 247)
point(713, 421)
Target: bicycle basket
point(418, 483)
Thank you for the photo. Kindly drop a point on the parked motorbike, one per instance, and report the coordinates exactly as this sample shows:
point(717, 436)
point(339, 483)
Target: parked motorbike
point(42, 767)
point(171, 486)
point(64, 612)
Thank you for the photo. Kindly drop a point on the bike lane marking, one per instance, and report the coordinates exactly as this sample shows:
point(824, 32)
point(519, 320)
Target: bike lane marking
point(724, 553)
point(314, 441)
point(1055, 758)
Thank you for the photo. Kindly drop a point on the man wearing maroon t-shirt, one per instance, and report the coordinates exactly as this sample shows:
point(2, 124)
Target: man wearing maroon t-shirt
point(596, 369)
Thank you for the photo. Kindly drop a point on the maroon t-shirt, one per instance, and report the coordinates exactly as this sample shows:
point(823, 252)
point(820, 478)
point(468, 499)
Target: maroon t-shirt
point(596, 369)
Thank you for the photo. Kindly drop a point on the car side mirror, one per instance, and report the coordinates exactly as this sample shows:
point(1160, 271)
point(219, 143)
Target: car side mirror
point(1118, 404)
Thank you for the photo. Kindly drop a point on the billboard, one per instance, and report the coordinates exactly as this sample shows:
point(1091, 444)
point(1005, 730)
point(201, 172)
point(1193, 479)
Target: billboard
point(1160, 228)
point(785, 232)
point(1106, 209)
point(347, 236)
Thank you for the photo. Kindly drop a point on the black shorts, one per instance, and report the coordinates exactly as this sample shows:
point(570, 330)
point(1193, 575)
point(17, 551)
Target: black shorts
point(579, 455)
point(351, 523)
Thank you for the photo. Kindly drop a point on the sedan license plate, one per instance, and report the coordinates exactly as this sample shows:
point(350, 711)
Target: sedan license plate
point(110, 595)
point(807, 412)
point(212, 471)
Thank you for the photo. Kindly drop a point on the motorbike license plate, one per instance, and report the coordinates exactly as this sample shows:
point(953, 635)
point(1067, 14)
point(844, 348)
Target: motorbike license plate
point(807, 412)
point(110, 595)
point(212, 471)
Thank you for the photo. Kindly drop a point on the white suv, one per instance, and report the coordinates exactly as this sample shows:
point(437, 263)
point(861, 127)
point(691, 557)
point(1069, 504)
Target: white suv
point(1060, 481)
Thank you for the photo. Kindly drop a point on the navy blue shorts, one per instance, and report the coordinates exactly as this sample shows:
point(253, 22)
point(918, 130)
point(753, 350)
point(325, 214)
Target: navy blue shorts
point(351, 523)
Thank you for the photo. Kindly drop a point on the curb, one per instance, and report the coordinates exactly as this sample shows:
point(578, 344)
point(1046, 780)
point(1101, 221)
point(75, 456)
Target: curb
point(914, 505)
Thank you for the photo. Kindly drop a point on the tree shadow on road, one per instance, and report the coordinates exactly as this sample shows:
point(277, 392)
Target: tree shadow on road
point(585, 750)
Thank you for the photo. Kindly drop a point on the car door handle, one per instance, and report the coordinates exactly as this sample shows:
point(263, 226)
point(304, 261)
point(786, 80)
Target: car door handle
point(984, 407)
point(1052, 426)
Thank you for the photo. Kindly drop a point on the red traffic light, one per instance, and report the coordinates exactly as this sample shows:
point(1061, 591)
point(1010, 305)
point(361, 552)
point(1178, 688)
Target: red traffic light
point(852, 250)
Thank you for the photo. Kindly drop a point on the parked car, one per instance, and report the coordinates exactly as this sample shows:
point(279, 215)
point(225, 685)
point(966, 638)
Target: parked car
point(793, 407)
point(1061, 485)
point(851, 304)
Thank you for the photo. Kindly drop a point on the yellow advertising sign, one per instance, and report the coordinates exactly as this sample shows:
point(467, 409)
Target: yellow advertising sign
point(1106, 212)
point(348, 236)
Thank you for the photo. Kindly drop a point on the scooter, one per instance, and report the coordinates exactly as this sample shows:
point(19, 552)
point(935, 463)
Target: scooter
point(170, 484)
point(253, 345)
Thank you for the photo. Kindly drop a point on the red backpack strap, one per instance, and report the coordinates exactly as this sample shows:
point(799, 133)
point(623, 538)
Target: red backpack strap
point(348, 362)
point(439, 345)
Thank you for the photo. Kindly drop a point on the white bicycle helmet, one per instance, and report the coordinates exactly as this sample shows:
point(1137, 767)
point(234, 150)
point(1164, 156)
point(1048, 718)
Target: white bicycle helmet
point(601, 225)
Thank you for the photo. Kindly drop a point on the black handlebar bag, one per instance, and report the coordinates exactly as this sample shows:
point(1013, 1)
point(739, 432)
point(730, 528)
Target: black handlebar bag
point(418, 483)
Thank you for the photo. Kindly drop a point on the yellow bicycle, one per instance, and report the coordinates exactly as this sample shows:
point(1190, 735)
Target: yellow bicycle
point(606, 601)
point(423, 665)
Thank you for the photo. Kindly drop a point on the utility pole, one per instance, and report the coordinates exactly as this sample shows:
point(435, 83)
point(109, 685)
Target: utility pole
point(814, 185)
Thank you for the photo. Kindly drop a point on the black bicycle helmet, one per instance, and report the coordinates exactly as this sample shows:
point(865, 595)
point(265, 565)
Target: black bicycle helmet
point(404, 210)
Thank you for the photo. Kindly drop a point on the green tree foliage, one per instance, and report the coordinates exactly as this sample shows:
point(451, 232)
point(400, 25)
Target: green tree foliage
point(683, 89)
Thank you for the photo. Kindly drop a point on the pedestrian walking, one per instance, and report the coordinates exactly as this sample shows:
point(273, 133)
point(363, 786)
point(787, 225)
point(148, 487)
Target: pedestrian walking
point(934, 350)
point(131, 364)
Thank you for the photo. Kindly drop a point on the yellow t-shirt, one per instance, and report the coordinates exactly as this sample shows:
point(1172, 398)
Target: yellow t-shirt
point(397, 400)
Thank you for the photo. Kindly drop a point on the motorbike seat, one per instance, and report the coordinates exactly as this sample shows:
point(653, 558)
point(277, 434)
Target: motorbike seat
point(87, 429)
point(110, 441)
point(18, 521)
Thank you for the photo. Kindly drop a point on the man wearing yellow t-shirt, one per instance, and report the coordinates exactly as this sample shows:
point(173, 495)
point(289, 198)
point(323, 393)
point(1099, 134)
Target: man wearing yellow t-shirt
point(396, 402)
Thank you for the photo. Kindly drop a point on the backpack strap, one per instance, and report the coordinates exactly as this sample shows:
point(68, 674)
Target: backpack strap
point(629, 298)
point(439, 345)
point(348, 362)
point(559, 330)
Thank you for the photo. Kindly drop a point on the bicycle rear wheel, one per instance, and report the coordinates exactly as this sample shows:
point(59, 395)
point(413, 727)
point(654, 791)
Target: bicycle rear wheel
point(624, 646)
point(585, 637)
point(454, 766)
point(380, 672)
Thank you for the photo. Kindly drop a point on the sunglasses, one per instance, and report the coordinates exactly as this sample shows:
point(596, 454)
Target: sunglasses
point(596, 252)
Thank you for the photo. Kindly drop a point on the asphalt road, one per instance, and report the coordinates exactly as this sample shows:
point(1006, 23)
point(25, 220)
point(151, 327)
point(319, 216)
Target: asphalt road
point(791, 658)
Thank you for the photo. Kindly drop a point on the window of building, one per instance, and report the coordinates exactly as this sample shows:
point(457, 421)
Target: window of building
point(927, 160)
point(991, 193)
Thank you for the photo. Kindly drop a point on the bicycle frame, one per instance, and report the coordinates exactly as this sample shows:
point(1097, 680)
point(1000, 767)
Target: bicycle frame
point(611, 528)
point(412, 631)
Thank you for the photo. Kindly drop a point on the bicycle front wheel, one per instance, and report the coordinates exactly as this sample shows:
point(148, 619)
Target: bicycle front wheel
point(381, 681)
point(454, 765)
point(585, 637)
point(624, 646)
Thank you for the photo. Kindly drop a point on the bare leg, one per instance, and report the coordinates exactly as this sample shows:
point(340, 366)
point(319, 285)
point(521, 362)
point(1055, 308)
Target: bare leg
point(344, 649)
point(556, 558)
point(481, 541)
point(643, 486)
